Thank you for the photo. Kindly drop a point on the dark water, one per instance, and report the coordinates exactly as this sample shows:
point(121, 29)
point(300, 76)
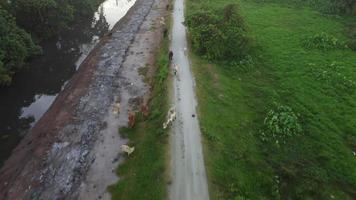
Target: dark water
point(35, 88)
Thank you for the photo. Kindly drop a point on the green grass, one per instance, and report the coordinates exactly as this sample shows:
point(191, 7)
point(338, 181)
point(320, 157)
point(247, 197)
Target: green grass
point(319, 164)
point(143, 174)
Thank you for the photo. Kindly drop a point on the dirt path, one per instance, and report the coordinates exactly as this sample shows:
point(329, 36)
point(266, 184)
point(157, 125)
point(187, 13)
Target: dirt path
point(141, 54)
point(73, 150)
point(189, 180)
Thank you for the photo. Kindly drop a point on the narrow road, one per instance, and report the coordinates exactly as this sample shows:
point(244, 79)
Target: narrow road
point(188, 171)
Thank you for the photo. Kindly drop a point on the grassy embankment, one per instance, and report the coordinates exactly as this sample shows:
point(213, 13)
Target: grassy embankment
point(144, 174)
point(233, 103)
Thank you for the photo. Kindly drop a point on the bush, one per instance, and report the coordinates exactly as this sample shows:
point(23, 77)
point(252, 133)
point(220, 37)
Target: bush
point(280, 124)
point(323, 41)
point(219, 34)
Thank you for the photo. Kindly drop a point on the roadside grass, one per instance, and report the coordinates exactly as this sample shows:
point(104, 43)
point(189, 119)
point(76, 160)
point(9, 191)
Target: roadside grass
point(316, 83)
point(143, 174)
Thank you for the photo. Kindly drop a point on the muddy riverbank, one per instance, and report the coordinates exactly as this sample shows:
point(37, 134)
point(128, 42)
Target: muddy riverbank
point(53, 159)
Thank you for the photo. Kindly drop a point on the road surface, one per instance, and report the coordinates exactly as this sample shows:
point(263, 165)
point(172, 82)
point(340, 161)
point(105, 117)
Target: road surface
point(189, 180)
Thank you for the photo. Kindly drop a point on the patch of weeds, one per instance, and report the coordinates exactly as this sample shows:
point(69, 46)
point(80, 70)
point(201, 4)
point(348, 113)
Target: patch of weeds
point(280, 125)
point(323, 41)
point(125, 131)
point(275, 188)
point(350, 140)
point(333, 77)
point(163, 72)
point(246, 64)
point(143, 72)
point(152, 27)
point(210, 136)
point(352, 44)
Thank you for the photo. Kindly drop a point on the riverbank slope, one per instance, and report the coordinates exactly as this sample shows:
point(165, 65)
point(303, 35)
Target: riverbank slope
point(53, 160)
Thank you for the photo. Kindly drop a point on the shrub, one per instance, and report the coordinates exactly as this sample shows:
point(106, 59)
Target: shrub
point(323, 41)
point(280, 124)
point(219, 34)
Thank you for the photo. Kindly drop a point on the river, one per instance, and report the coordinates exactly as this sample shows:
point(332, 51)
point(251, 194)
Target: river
point(35, 88)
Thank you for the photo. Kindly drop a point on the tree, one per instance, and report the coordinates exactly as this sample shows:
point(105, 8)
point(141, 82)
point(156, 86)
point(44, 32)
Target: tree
point(15, 47)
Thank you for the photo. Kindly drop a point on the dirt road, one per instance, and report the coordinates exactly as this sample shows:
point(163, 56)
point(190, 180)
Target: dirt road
point(189, 180)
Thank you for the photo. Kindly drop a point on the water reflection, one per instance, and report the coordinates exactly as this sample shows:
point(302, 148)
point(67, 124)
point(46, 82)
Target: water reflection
point(113, 10)
point(35, 88)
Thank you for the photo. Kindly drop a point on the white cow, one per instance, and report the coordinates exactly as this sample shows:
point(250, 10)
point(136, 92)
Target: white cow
point(127, 149)
point(170, 118)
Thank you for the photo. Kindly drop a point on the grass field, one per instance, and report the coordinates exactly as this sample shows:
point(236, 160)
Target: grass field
point(144, 174)
point(318, 84)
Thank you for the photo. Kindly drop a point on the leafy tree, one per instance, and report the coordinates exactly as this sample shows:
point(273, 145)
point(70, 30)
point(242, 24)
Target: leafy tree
point(15, 47)
point(47, 16)
point(43, 19)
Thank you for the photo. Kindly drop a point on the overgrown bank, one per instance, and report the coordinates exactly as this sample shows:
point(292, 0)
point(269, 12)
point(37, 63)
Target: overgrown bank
point(279, 122)
point(143, 175)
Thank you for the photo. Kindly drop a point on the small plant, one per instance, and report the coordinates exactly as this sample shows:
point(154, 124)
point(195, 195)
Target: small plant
point(323, 41)
point(280, 124)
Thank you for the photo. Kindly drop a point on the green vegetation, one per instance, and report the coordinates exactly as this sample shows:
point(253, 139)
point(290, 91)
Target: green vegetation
point(324, 6)
point(280, 125)
point(303, 97)
point(26, 22)
point(45, 18)
point(143, 174)
point(323, 41)
point(15, 47)
point(219, 34)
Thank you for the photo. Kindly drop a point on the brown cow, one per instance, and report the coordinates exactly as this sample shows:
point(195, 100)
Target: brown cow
point(132, 119)
point(145, 110)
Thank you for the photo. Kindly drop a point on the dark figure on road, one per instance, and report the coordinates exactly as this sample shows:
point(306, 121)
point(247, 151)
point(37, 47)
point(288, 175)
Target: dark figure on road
point(165, 32)
point(170, 55)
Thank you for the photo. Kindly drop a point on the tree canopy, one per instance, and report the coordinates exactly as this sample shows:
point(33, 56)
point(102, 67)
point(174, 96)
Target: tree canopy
point(15, 46)
point(23, 23)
